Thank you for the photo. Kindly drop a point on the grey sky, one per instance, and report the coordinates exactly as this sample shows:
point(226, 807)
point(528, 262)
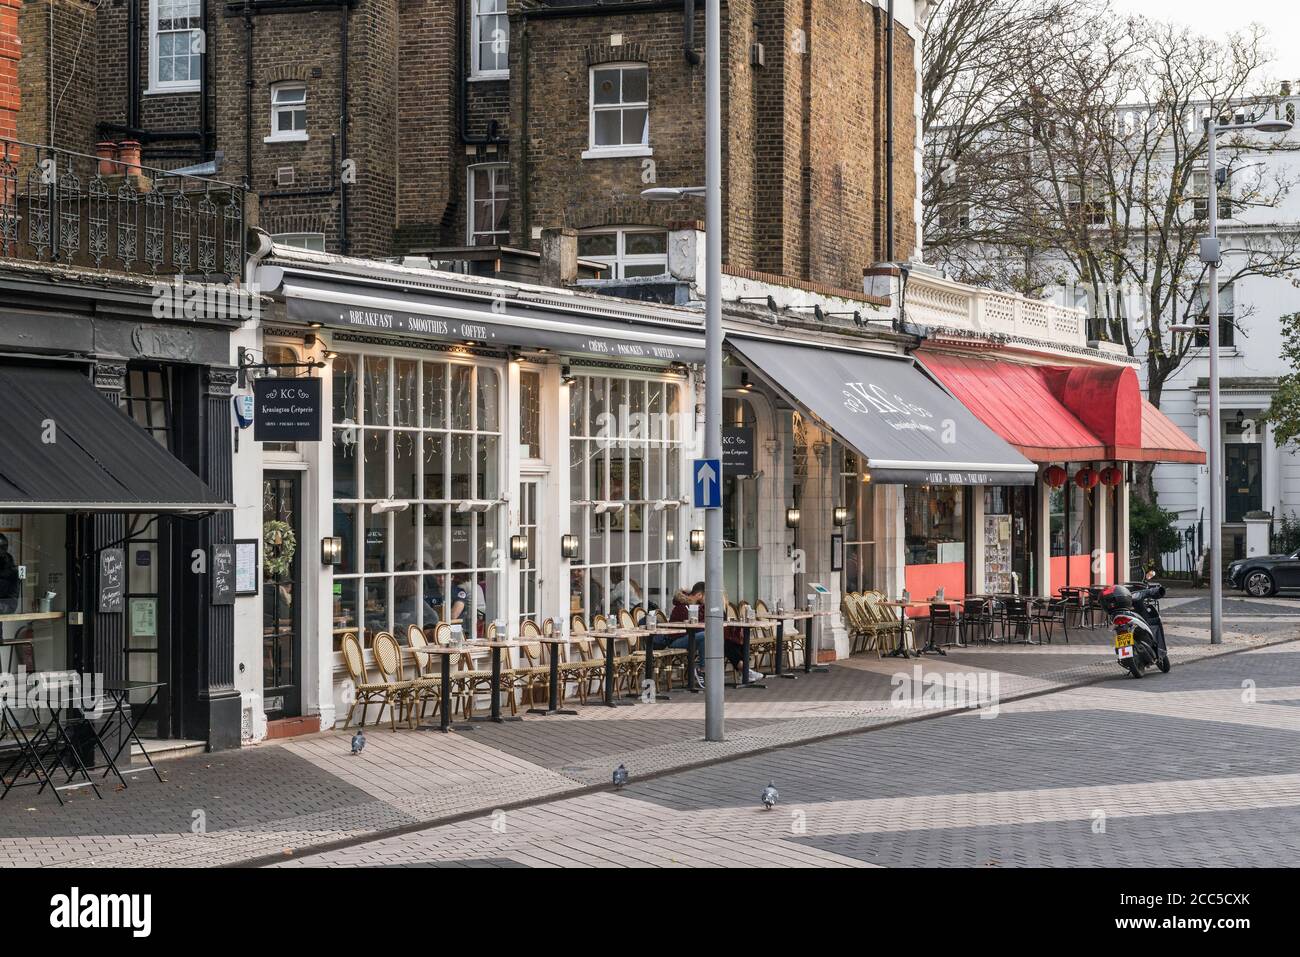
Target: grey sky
point(1281, 18)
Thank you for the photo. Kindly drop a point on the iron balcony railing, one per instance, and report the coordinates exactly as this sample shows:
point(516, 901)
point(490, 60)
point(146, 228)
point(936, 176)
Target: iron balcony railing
point(60, 206)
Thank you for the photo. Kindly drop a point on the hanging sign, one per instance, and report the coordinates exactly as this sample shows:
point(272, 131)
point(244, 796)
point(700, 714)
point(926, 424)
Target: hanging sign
point(112, 580)
point(738, 450)
point(286, 410)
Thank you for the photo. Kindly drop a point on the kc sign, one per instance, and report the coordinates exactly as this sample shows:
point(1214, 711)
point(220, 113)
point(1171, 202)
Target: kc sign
point(286, 410)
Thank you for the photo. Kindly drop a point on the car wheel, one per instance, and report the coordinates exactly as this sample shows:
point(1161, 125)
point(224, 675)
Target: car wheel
point(1259, 584)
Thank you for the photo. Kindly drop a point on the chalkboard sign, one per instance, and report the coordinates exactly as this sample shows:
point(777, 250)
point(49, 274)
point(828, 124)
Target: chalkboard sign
point(737, 450)
point(222, 569)
point(112, 580)
point(286, 410)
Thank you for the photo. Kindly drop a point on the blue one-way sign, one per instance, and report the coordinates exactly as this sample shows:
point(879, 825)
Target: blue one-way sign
point(706, 479)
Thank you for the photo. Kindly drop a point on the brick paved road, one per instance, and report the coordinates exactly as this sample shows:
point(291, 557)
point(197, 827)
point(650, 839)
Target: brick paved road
point(285, 798)
point(1198, 767)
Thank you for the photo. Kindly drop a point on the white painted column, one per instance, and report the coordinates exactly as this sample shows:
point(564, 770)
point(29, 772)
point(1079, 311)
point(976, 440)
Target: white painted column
point(1043, 560)
point(318, 656)
point(1100, 516)
point(1205, 481)
point(1122, 538)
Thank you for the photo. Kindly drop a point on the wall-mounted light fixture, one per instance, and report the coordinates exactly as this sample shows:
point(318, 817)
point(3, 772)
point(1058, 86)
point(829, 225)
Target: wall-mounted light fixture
point(519, 548)
point(331, 550)
point(569, 546)
point(791, 518)
point(840, 516)
point(697, 539)
point(566, 374)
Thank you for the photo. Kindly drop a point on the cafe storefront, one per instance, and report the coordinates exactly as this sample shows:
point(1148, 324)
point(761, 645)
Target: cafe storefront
point(115, 500)
point(490, 452)
point(879, 469)
point(1089, 424)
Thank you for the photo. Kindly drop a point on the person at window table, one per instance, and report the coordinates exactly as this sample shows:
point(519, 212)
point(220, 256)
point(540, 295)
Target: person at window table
point(626, 594)
point(733, 638)
point(10, 589)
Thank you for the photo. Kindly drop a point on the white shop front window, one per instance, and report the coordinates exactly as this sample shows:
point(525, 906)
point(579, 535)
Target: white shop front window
point(625, 463)
point(416, 463)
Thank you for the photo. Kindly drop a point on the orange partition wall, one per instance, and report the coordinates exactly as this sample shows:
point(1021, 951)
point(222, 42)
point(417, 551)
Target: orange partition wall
point(924, 580)
point(1080, 568)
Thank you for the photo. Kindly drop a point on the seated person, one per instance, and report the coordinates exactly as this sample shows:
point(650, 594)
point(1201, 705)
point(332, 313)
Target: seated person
point(733, 638)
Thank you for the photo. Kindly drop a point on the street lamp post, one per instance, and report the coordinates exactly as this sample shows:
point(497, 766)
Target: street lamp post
point(712, 193)
point(1211, 256)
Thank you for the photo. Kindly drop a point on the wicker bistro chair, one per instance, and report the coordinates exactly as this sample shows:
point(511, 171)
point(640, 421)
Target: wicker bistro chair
point(426, 686)
point(873, 627)
point(862, 629)
point(466, 676)
point(586, 668)
point(481, 682)
point(532, 673)
point(365, 692)
point(667, 660)
point(887, 623)
point(388, 662)
point(762, 641)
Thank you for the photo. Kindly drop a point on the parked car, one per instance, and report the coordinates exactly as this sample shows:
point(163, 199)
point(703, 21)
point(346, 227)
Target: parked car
point(1264, 575)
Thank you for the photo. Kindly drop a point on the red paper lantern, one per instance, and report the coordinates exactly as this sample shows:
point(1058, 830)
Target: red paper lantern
point(1055, 476)
point(1086, 477)
point(1111, 475)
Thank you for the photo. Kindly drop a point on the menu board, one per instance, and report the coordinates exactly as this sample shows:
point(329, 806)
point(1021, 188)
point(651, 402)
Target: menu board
point(112, 580)
point(222, 568)
point(997, 554)
point(246, 582)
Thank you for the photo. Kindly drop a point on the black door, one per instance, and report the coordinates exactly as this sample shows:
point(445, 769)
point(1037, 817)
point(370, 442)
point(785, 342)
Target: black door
point(1243, 481)
point(281, 591)
point(1022, 538)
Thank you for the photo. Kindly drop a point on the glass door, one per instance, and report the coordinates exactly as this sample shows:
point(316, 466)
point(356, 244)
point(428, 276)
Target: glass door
point(529, 583)
point(281, 588)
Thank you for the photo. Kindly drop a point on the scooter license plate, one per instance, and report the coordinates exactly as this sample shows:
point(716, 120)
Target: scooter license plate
point(1124, 640)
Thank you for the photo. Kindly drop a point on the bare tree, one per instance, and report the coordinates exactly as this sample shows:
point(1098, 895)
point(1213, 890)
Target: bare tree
point(1103, 183)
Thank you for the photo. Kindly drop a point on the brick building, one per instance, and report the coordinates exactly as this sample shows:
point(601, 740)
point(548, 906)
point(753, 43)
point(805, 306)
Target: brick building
point(378, 127)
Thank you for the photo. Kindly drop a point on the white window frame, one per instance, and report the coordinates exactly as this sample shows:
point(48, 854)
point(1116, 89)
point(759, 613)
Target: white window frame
point(621, 259)
point(470, 202)
point(167, 86)
point(625, 149)
point(477, 19)
point(1199, 187)
point(312, 241)
point(287, 136)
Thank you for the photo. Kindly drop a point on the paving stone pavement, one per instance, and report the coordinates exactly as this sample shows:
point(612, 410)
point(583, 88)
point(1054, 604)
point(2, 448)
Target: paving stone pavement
point(283, 799)
point(1083, 777)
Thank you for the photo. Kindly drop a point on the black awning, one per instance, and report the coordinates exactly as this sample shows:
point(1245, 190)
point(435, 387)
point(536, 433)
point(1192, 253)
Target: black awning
point(65, 448)
point(909, 430)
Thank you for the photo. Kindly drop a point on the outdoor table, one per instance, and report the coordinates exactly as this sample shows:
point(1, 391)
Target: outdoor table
point(553, 699)
point(747, 625)
point(930, 648)
point(444, 705)
point(781, 617)
point(692, 629)
point(120, 692)
point(902, 606)
point(497, 644)
point(607, 637)
point(662, 628)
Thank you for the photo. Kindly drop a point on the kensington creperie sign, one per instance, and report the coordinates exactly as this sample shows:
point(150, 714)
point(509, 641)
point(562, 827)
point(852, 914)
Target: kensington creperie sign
point(867, 398)
point(286, 410)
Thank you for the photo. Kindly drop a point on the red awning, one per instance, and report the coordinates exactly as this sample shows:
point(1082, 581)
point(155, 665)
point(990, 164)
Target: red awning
point(1064, 413)
point(1016, 403)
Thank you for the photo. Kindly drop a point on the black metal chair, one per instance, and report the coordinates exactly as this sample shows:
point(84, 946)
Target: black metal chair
point(943, 620)
point(977, 618)
point(1017, 625)
point(1050, 614)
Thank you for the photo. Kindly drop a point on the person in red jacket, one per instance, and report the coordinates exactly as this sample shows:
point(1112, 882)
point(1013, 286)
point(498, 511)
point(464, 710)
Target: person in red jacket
point(733, 638)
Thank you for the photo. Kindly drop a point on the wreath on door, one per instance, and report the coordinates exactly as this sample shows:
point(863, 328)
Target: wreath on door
point(278, 546)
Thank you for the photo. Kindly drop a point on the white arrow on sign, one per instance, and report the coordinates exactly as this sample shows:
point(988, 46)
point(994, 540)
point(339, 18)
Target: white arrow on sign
point(706, 477)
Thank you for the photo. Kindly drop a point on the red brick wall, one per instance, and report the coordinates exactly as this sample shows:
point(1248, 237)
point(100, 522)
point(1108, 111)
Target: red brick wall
point(11, 53)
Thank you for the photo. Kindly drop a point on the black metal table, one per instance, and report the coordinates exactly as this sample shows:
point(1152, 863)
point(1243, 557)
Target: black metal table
point(444, 705)
point(126, 716)
point(781, 617)
point(494, 715)
point(553, 679)
point(607, 638)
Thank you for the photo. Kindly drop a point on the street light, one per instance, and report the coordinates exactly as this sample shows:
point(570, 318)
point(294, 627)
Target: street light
point(1211, 256)
point(712, 193)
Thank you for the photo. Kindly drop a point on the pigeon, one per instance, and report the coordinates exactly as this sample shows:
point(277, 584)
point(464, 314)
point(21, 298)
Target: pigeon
point(358, 741)
point(620, 776)
point(770, 796)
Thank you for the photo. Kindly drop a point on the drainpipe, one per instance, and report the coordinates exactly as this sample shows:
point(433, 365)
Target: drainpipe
point(889, 135)
point(262, 245)
point(526, 234)
point(248, 95)
point(343, 126)
point(203, 87)
point(49, 62)
point(688, 33)
point(133, 65)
